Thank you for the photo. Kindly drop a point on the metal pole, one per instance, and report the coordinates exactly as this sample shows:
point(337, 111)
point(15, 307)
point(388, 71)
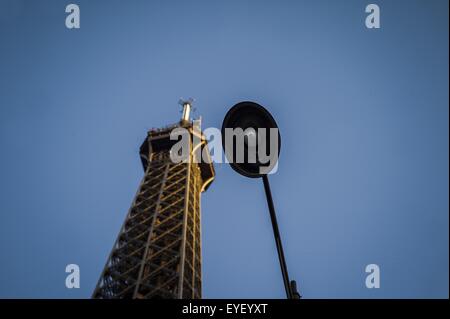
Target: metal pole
point(276, 234)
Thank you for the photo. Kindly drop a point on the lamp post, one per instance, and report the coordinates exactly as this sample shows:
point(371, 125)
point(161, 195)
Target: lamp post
point(252, 121)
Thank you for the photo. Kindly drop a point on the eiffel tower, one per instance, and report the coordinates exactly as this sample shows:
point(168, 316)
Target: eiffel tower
point(157, 253)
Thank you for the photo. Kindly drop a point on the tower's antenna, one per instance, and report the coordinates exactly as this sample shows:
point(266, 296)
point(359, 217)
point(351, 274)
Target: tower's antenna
point(187, 107)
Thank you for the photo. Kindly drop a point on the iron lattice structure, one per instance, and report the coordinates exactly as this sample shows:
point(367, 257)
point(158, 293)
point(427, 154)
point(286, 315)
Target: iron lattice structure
point(157, 253)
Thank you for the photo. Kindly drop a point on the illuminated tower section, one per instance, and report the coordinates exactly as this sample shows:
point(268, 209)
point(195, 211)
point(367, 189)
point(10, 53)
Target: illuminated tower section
point(157, 253)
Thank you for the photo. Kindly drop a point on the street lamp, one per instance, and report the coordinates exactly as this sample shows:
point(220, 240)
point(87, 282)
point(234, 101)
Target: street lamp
point(247, 131)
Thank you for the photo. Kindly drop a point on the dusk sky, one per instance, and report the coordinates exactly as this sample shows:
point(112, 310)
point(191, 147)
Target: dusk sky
point(363, 176)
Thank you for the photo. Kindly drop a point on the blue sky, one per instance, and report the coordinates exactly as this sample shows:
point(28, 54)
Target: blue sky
point(363, 114)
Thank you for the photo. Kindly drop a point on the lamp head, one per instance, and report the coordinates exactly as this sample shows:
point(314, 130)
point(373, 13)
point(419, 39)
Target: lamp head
point(251, 139)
